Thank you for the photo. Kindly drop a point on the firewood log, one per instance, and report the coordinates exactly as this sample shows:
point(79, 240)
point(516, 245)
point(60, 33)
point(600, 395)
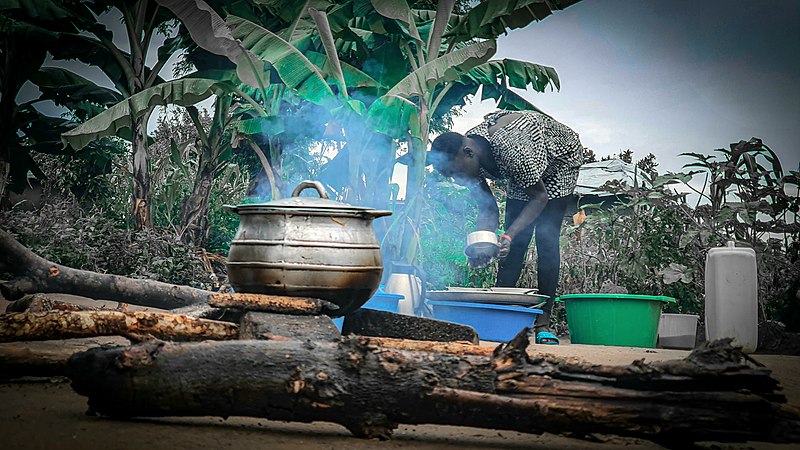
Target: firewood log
point(32, 326)
point(712, 395)
point(279, 304)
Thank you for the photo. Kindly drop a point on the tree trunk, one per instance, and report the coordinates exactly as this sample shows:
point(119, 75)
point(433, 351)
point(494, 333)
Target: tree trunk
point(194, 208)
point(712, 395)
point(5, 172)
point(142, 194)
point(409, 246)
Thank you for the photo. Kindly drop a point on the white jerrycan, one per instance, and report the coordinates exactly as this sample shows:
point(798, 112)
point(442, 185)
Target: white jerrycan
point(732, 295)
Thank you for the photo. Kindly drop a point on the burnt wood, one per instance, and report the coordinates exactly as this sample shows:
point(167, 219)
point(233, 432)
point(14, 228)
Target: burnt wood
point(372, 322)
point(711, 395)
point(257, 325)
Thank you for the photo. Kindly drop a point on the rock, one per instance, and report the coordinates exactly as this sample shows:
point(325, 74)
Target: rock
point(371, 322)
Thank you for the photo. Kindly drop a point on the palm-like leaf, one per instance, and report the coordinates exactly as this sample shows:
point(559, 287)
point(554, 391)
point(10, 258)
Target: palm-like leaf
point(395, 114)
point(294, 69)
point(184, 92)
point(448, 67)
point(491, 18)
point(68, 89)
point(211, 33)
point(47, 10)
point(398, 10)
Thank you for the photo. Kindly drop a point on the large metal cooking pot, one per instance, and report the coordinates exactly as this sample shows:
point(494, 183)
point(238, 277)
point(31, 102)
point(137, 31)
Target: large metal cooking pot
point(307, 247)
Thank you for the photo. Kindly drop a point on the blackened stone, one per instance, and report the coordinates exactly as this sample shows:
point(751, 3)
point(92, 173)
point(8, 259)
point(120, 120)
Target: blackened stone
point(268, 326)
point(371, 322)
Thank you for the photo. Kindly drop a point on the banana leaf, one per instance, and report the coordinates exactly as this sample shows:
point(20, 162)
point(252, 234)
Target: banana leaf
point(183, 92)
point(46, 10)
point(395, 115)
point(66, 88)
point(211, 33)
point(398, 10)
point(491, 18)
point(294, 68)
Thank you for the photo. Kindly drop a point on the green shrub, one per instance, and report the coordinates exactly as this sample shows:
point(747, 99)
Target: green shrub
point(64, 233)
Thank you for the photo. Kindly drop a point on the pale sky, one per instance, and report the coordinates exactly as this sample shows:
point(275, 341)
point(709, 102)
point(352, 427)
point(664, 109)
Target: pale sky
point(668, 76)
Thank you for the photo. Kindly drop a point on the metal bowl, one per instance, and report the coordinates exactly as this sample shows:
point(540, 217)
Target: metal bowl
point(480, 240)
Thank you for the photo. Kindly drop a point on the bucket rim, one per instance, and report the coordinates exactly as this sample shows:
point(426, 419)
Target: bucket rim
point(485, 306)
point(596, 296)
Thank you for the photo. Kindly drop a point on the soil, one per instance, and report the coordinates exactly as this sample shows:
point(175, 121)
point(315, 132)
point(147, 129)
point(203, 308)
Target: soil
point(46, 414)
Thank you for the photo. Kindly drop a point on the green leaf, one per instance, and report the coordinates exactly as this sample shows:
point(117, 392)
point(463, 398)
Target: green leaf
point(494, 77)
point(91, 51)
point(294, 69)
point(448, 67)
point(67, 88)
point(37, 9)
point(183, 92)
point(398, 10)
point(270, 126)
point(394, 116)
point(491, 18)
point(209, 31)
point(353, 77)
point(174, 153)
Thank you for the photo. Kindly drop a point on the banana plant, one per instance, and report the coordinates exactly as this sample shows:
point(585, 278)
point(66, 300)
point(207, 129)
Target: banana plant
point(82, 37)
point(309, 68)
point(448, 58)
point(28, 30)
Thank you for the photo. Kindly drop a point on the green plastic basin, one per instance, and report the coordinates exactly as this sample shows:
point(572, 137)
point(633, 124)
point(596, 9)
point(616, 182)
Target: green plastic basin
point(614, 319)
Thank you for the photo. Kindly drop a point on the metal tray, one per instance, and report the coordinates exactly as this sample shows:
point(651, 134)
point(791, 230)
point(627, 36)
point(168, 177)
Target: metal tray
point(497, 296)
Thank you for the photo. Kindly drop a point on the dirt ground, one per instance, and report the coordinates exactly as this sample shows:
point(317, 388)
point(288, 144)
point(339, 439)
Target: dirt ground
point(47, 414)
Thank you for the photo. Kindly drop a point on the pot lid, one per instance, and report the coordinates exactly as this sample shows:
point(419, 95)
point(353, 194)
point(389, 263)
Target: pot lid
point(295, 202)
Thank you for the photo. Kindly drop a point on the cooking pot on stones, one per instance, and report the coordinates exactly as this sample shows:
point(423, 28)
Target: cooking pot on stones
point(307, 247)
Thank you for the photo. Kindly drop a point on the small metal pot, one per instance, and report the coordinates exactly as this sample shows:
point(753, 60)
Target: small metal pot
point(480, 240)
point(307, 247)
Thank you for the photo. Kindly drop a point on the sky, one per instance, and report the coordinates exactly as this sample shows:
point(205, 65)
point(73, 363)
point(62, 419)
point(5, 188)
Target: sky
point(667, 76)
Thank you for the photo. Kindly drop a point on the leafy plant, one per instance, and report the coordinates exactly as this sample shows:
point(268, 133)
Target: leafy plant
point(651, 241)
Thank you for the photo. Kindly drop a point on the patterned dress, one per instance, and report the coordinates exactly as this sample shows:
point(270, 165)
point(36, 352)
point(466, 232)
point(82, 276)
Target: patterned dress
point(533, 147)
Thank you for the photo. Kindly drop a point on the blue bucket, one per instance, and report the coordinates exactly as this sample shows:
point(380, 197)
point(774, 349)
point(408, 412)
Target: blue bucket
point(382, 301)
point(499, 323)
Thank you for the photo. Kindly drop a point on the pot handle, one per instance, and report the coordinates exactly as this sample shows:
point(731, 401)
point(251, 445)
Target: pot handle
point(310, 184)
point(230, 209)
point(378, 213)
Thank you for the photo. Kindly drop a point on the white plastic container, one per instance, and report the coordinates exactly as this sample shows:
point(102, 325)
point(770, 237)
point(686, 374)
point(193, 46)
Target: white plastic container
point(732, 295)
point(406, 280)
point(677, 331)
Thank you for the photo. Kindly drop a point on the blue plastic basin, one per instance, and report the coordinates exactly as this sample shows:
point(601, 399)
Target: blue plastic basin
point(499, 323)
point(382, 301)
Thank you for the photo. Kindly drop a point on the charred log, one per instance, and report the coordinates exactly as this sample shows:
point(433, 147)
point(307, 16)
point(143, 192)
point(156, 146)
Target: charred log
point(370, 389)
